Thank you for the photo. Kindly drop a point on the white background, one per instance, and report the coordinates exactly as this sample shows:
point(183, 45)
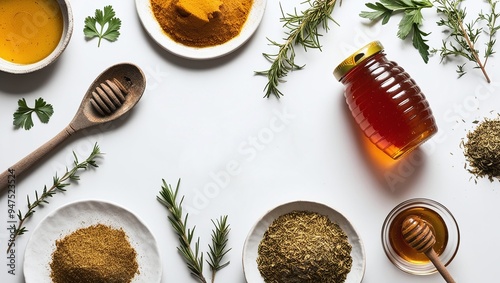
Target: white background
point(198, 117)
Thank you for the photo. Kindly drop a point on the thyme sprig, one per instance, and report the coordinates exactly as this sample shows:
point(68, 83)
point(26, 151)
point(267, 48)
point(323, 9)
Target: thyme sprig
point(464, 37)
point(302, 30)
point(59, 184)
point(194, 257)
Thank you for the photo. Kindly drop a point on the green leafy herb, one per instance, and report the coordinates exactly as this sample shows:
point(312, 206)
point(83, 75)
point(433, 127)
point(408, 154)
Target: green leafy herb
point(218, 248)
point(59, 185)
point(194, 257)
point(410, 22)
point(22, 116)
point(302, 30)
point(463, 37)
point(105, 19)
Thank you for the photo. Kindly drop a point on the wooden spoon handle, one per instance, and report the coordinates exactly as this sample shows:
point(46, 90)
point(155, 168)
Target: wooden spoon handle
point(431, 254)
point(8, 177)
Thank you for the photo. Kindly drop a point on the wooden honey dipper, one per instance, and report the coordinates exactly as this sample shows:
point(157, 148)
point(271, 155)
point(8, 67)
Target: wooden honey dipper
point(418, 234)
point(112, 94)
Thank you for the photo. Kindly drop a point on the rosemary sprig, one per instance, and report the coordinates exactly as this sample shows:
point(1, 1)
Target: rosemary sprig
point(194, 258)
point(302, 30)
point(463, 37)
point(59, 185)
point(218, 248)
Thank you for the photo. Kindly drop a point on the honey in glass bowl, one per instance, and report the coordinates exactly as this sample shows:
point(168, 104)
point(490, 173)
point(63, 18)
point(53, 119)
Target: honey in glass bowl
point(444, 228)
point(401, 247)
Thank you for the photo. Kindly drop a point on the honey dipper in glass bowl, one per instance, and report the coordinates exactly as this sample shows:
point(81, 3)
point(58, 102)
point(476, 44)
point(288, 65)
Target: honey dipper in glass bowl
point(418, 234)
point(112, 94)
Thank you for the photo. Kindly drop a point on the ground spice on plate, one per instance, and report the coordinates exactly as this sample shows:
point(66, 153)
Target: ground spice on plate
point(201, 23)
point(304, 247)
point(482, 149)
point(96, 254)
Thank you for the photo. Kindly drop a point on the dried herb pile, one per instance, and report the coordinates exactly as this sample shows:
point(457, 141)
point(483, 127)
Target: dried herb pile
point(304, 246)
point(95, 254)
point(482, 149)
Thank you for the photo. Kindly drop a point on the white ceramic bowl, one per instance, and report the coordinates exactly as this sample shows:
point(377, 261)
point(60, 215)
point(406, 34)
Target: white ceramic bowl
point(154, 29)
point(250, 249)
point(15, 68)
point(81, 214)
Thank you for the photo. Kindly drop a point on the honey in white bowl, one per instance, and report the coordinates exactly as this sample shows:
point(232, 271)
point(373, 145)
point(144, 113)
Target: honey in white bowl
point(29, 30)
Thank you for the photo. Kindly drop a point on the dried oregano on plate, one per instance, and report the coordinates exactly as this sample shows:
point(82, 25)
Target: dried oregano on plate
point(303, 246)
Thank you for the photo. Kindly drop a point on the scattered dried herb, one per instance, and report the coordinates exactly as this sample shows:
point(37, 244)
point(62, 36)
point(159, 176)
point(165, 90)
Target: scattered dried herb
point(95, 254)
point(482, 149)
point(304, 246)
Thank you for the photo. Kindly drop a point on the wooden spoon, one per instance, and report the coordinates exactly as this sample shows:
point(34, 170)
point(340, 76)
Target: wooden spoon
point(418, 234)
point(112, 94)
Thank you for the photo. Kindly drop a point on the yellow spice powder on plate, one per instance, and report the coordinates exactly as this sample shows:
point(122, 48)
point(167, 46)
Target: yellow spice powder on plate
point(96, 254)
point(201, 23)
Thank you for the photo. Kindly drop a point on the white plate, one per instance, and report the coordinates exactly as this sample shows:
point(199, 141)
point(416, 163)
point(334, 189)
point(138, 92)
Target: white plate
point(82, 214)
point(156, 32)
point(250, 249)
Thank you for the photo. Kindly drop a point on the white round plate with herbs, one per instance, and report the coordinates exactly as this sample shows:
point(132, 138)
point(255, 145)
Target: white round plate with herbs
point(74, 216)
point(154, 29)
point(250, 248)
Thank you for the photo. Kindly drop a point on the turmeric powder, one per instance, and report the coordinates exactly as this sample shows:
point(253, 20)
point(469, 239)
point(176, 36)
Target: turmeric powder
point(201, 23)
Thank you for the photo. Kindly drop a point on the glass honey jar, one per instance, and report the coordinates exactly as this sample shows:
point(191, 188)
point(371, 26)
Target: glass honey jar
point(385, 101)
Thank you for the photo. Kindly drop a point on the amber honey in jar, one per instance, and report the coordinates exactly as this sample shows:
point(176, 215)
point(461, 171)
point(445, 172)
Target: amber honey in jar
point(442, 224)
point(385, 101)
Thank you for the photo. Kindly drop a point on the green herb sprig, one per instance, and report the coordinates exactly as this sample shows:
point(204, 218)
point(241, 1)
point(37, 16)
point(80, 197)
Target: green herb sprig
point(23, 115)
point(59, 185)
point(194, 257)
point(302, 30)
point(105, 18)
point(218, 248)
point(410, 22)
point(463, 37)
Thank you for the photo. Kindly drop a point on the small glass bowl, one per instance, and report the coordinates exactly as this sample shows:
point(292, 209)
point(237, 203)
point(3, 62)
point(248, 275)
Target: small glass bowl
point(452, 244)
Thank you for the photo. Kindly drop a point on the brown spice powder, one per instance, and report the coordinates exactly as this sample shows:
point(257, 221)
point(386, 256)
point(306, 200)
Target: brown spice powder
point(189, 30)
point(96, 254)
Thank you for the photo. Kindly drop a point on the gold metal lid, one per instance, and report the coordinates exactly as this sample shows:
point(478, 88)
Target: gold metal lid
point(357, 57)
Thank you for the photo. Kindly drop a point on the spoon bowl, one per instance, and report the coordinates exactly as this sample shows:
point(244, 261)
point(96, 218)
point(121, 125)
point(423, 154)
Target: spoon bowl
point(112, 94)
point(125, 76)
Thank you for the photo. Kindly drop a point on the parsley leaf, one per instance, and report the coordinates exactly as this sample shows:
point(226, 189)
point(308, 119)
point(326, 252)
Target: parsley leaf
point(410, 22)
point(109, 25)
point(22, 116)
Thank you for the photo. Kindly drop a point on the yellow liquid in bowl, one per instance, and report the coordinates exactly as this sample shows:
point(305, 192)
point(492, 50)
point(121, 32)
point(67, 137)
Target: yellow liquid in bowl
point(29, 30)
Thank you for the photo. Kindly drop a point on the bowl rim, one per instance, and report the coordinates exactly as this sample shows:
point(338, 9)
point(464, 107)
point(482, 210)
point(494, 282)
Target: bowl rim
point(68, 26)
point(250, 246)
